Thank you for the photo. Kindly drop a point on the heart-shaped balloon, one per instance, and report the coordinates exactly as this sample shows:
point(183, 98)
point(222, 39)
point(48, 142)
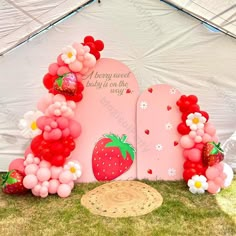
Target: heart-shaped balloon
point(66, 84)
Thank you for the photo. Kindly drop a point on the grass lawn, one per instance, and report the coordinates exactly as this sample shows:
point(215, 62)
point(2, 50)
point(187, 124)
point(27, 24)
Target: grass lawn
point(182, 213)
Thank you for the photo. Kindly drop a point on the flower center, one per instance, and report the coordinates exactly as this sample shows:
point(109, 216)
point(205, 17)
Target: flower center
point(34, 125)
point(195, 120)
point(72, 169)
point(198, 184)
point(69, 54)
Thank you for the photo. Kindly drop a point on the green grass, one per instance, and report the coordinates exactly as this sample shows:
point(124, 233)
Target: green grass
point(181, 213)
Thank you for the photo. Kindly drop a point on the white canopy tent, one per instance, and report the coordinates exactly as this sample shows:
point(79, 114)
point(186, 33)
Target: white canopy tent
point(159, 43)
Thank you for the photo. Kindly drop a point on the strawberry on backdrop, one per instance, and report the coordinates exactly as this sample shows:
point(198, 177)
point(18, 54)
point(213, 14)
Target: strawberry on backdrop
point(12, 182)
point(212, 154)
point(112, 156)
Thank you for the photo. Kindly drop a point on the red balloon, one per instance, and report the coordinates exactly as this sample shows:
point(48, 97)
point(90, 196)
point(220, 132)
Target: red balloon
point(189, 173)
point(36, 142)
point(58, 160)
point(97, 55)
point(192, 99)
point(48, 80)
point(205, 114)
point(92, 47)
point(99, 45)
point(189, 164)
point(88, 39)
point(193, 108)
point(183, 129)
point(57, 148)
point(66, 152)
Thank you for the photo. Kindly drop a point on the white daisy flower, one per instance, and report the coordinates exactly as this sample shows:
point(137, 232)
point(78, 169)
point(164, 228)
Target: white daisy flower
point(173, 91)
point(198, 184)
point(171, 172)
point(28, 125)
point(75, 168)
point(159, 147)
point(143, 105)
point(68, 54)
point(195, 121)
point(169, 126)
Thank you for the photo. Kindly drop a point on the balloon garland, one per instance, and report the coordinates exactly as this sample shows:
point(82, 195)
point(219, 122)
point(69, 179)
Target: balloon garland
point(46, 168)
point(203, 166)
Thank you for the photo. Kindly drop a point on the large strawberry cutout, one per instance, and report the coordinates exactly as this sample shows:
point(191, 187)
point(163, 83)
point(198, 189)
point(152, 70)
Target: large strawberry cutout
point(112, 156)
point(12, 182)
point(212, 154)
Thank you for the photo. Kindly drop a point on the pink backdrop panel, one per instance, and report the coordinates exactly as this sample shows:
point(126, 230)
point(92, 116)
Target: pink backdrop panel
point(108, 106)
point(159, 155)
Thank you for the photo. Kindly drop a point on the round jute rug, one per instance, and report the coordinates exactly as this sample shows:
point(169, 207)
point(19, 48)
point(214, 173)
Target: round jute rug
point(122, 199)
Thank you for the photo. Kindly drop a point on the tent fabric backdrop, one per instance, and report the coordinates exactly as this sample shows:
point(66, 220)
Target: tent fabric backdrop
point(160, 45)
point(20, 19)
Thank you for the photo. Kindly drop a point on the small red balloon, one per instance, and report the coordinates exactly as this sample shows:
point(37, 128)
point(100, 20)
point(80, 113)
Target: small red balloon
point(88, 39)
point(192, 99)
point(183, 129)
point(99, 45)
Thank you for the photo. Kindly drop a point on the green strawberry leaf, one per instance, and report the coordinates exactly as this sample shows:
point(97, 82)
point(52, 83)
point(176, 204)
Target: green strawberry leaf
point(11, 180)
point(59, 81)
point(121, 143)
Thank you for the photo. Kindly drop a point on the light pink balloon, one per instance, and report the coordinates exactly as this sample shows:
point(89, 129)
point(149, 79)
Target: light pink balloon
point(79, 76)
point(192, 134)
point(30, 181)
point(76, 66)
point(43, 174)
point(185, 153)
point(65, 132)
point(37, 188)
point(71, 184)
point(55, 172)
point(75, 129)
point(206, 138)
point(17, 164)
point(31, 169)
point(186, 142)
point(45, 164)
point(212, 187)
point(43, 195)
point(44, 102)
point(215, 139)
point(63, 70)
point(198, 139)
point(220, 166)
point(210, 129)
point(52, 69)
point(35, 193)
point(79, 48)
point(59, 98)
point(53, 186)
point(212, 173)
point(64, 190)
point(65, 177)
point(43, 190)
point(194, 155)
point(27, 151)
point(84, 70)
point(46, 184)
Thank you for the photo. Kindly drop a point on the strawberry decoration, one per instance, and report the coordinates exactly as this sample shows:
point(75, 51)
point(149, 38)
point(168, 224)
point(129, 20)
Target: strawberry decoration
point(12, 182)
point(112, 156)
point(212, 154)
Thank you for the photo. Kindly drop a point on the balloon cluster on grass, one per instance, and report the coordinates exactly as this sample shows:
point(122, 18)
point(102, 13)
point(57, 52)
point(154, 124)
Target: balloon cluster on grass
point(203, 166)
point(46, 168)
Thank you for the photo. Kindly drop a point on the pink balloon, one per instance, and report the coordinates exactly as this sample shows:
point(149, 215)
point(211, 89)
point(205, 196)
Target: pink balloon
point(63, 70)
point(60, 61)
point(53, 186)
point(220, 166)
point(65, 177)
point(194, 155)
point(30, 181)
point(206, 138)
point(64, 190)
point(37, 188)
point(212, 187)
point(17, 164)
point(198, 139)
point(55, 134)
point(31, 169)
point(215, 139)
point(55, 172)
point(44, 164)
point(75, 128)
point(210, 129)
point(43, 174)
point(71, 184)
point(200, 132)
point(62, 122)
point(35, 193)
point(27, 151)
point(52, 69)
point(76, 66)
point(84, 70)
point(44, 102)
point(186, 142)
point(79, 76)
point(42, 121)
point(199, 146)
point(79, 48)
point(185, 153)
point(212, 173)
point(66, 132)
point(192, 134)
point(219, 181)
point(43, 190)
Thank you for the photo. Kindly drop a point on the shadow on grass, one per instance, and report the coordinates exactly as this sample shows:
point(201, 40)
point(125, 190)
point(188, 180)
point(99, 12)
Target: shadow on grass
point(181, 213)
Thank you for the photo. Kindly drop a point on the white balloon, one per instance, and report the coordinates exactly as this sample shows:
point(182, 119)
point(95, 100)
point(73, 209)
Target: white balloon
point(230, 175)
